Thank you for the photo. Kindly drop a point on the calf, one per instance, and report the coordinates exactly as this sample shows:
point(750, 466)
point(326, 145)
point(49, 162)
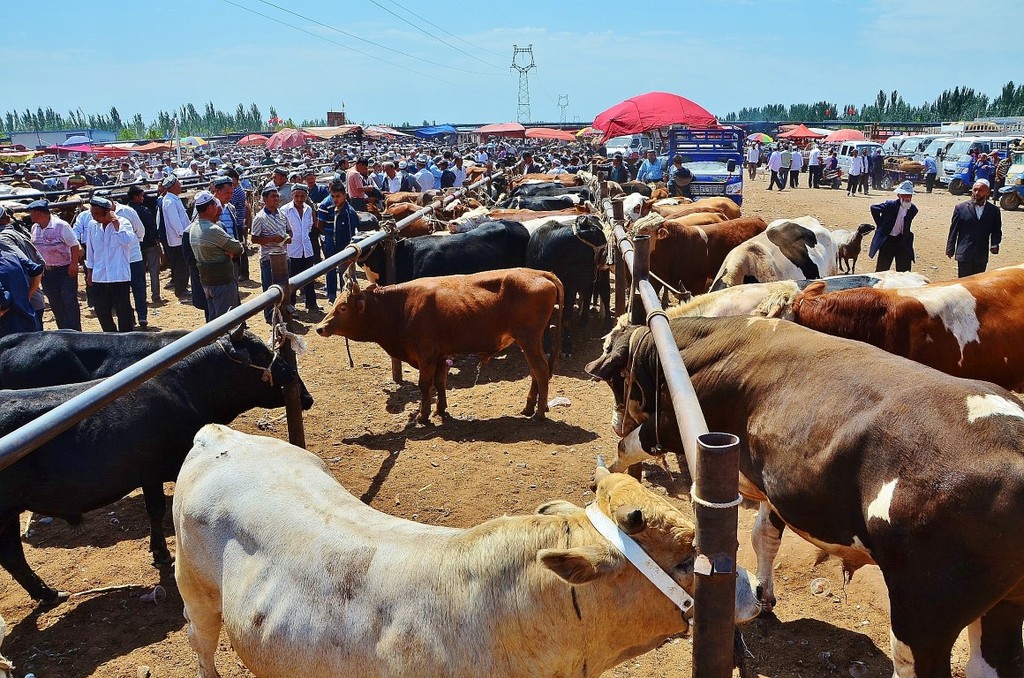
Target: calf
point(307, 580)
point(724, 206)
point(848, 245)
point(789, 249)
point(574, 252)
point(925, 479)
point(34, 359)
point(972, 327)
point(139, 440)
point(490, 246)
point(426, 321)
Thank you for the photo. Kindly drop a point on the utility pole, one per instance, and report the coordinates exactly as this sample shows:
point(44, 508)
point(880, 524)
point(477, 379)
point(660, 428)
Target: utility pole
point(562, 106)
point(523, 109)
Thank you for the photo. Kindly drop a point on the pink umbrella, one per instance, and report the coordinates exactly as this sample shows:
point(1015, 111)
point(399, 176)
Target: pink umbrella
point(253, 140)
point(503, 129)
point(845, 135)
point(546, 133)
point(651, 111)
point(286, 138)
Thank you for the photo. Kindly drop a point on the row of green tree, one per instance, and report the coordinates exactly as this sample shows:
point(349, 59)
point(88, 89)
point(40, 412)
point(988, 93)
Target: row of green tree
point(191, 121)
point(959, 103)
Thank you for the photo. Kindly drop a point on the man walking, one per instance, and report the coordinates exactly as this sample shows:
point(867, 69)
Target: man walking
point(175, 221)
point(856, 167)
point(59, 248)
point(775, 166)
point(753, 157)
point(108, 245)
point(931, 170)
point(214, 250)
point(795, 167)
point(893, 239)
point(975, 231)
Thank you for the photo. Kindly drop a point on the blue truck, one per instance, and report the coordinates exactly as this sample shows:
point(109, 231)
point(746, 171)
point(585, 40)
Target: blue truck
point(714, 156)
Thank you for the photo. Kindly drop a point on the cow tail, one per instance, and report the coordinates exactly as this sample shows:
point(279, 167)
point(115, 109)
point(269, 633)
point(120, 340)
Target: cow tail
point(556, 334)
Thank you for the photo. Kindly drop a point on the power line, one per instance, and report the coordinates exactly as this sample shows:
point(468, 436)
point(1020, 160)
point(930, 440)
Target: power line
point(369, 42)
point(429, 34)
point(446, 31)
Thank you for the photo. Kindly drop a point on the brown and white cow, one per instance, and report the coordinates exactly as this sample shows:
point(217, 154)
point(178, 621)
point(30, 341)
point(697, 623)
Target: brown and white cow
point(426, 321)
point(888, 462)
point(307, 580)
point(972, 327)
point(688, 255)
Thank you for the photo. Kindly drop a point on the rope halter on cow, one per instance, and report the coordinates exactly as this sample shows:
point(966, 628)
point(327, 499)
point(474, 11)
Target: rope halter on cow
point(635, 341)
point(268, 375)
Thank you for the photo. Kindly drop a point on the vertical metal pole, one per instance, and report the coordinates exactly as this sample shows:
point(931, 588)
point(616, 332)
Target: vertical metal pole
point(292, 392)
point(641, 267)
point(621, 274)
point(389, 279)
point(717, 482)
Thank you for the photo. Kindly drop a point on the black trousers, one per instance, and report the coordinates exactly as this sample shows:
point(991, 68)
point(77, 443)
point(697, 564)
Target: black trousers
point(794, 178)
point(929, 181)
point(297, 265)
point(852, 182)
point(899, 249)
point(864, 178)
point(110, 298)
point(179, 270)
point(777, 178)
point(970, 267)
point(814, 176)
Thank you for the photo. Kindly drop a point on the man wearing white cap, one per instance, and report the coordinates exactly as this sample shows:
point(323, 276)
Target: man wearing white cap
point(975, 231)
point(108, 245)
point(893, 239)
point(214, 250)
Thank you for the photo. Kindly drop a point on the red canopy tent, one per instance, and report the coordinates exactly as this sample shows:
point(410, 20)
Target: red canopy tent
point(286, 138)
point(845, 135)
point(800, 132)
point(547, 133)
point(651, 111)
point(101, 151)
point(253, 140)
point(502, 129)
point(153, 147)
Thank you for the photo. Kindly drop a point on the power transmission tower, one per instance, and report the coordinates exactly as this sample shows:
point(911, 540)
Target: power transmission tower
point(563, 98)
point(523, 110)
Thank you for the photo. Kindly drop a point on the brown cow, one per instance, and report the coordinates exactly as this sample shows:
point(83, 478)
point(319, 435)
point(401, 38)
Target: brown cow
point(687, 253)
point(564, 179)
point(420, 226)
point(722, 205)
point(413, 197)
point(972, 327)
point(529, 215)
point(424, 322)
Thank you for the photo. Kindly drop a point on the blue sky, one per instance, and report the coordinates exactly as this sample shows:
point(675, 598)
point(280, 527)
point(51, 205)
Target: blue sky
point(142, 56)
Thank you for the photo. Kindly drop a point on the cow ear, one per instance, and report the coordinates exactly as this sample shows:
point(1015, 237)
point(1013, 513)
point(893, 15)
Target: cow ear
point(815, 289)
point(630, 519)
point(360, 303)
point(237, 333)
point(662, 233)
point(580, 565)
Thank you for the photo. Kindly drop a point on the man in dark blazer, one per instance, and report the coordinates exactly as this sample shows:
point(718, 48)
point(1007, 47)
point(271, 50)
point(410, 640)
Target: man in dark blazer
point(893, 240)
point(976, 230)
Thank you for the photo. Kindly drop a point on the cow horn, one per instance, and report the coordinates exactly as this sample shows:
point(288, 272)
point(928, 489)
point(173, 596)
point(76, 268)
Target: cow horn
point(630, 519)
point(237, 333)
point(600, 473)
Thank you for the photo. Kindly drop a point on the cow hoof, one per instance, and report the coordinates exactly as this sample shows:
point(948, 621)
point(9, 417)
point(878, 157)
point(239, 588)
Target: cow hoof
point(51, 598)
point(162, 559)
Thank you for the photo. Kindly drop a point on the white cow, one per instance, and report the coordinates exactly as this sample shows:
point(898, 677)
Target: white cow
point(6, 667)
point(309, 581)
point(789, 249)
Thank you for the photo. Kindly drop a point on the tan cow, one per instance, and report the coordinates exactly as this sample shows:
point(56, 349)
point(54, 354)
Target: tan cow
point(307, 580)
point(6, 667)
point(721, 205)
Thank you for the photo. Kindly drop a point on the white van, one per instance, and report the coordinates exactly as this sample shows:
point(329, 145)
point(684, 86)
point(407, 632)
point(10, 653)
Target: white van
point(639, 143)
point(938, 147)
point(959, 150)
point(844, 152)
point(913, 147)
point(892, 144)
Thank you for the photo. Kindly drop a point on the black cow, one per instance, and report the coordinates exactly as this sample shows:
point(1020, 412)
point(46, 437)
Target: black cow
point(139, 440)
point(368, 222)
point(543, 203)
point(35, 359)
point(574, 253)
point(492, 245)
point(553, 188)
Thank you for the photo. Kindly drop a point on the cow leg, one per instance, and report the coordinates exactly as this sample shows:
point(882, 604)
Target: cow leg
point(441, 386)
point(568, 313)
point(156, 507)
point(996, 647)
point(204, 622)
point(766, 539)
point(537, 399)
point(12, 558)
point(586, 294)
point(427, 369)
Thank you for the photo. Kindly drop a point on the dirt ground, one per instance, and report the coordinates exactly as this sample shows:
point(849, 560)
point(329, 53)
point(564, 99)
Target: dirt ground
point(486, 462)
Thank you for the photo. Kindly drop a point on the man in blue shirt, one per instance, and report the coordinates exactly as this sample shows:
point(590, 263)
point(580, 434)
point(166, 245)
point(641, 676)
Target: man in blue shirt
point(650, 169)
point(339, 222)
point(19, 280)
point(931, 170)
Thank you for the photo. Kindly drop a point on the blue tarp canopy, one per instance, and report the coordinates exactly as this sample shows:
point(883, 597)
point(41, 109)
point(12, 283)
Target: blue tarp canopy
point(437, 131)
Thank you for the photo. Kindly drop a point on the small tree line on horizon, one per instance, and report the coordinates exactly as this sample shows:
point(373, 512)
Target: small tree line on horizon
point(191, 121)
point(959, 103)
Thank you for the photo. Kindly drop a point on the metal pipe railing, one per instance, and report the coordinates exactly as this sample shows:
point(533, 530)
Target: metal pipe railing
point(20, 442)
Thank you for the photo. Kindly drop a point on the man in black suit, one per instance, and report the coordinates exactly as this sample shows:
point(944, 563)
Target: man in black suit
point(976, 230)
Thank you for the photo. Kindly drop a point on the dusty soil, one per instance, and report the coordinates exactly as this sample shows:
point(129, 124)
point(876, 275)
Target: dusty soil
point(487, 462)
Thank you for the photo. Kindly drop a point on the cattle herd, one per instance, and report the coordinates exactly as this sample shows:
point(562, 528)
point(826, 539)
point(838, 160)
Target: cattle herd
point(875, 415)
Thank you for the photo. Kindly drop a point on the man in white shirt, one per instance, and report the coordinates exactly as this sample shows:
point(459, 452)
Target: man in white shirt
point(459, 171)
point(137, 265)
point(814, 167)
point(794, 168)
point(481, 157)
point(424, 177)
point(856, 167)
point(59, 248)
point(753, 158)
point(176, 222)
point(108, 244)
point(775, 165)
point(299, 217)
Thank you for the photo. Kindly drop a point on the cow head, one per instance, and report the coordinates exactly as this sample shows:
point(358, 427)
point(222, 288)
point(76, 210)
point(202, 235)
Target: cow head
point(264, 373)
point(616, 367)
point(659, 528)
point(347, 317)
